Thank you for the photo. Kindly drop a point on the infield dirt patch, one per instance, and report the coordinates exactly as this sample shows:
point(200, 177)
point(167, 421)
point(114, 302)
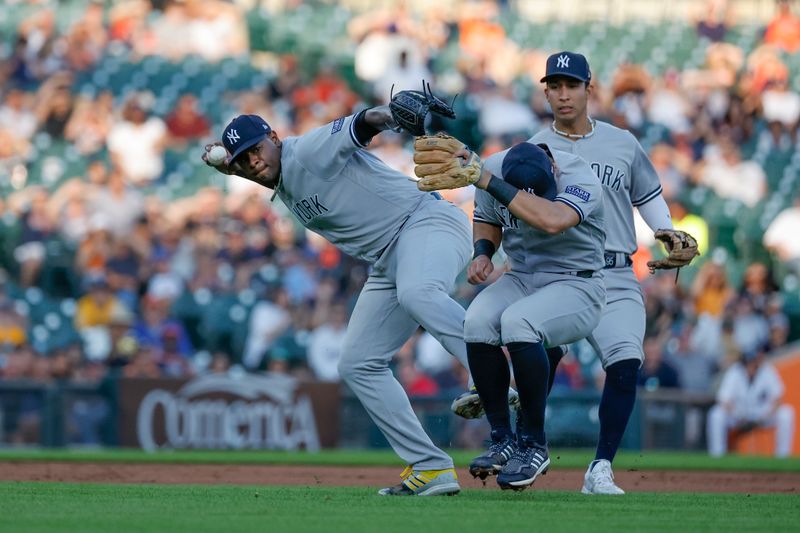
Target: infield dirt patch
point(367, 476)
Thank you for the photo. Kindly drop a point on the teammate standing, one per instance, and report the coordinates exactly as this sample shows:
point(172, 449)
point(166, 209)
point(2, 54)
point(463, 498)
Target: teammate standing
point(629, 180)
point(547, 209)
point(416, 243)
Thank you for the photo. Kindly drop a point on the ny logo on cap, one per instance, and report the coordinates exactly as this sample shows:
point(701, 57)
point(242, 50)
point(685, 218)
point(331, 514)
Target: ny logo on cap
point(233, 136)
point(563, 61)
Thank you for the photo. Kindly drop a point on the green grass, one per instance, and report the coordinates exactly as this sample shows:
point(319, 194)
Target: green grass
point(51, 507)
point(561, 458)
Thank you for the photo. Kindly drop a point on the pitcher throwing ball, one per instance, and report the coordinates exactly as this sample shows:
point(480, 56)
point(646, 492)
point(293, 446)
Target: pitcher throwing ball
point(416, 243)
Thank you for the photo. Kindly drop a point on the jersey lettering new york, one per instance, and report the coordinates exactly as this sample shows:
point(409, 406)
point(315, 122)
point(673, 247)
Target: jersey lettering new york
point(610, 176)
point(309, 208)
point(508, 220)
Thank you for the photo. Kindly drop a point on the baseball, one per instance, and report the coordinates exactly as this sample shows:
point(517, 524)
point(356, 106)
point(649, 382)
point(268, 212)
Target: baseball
point(217, 155)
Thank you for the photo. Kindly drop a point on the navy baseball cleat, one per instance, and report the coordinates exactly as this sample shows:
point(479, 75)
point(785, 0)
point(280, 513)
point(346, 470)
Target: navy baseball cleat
point(489, 464)
point(525, 465)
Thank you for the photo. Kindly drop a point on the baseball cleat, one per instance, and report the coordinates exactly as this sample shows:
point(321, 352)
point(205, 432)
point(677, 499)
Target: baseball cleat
point(489, 464)
point(425, 483)
point(525, 465)
point(469, 405)
point(599, 479)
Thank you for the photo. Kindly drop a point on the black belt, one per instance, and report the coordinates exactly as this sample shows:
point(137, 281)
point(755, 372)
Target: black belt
point(580, 273)
point(617, 260)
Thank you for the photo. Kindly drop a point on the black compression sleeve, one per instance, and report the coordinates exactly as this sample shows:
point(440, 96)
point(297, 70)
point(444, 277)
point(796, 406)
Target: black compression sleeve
point(484, 247)
point(503, 191)
point(363, 131)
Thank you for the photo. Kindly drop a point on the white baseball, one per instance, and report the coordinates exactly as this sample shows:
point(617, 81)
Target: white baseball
point(217, 155)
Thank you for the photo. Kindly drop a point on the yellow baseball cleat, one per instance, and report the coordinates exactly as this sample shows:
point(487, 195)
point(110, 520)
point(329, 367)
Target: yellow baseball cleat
point(425, 483)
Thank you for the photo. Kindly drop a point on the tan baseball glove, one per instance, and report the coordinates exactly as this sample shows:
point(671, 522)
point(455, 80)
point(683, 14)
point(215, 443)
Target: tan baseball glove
point(444, 162)
point(681, 247)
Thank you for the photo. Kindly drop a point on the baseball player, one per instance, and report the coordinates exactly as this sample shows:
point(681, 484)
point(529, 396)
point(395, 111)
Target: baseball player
point(749, 397)
point(629, 180)
point(417, 245)
point(547, 209)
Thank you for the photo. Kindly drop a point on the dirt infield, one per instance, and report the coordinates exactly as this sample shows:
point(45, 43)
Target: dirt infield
point(337, 476)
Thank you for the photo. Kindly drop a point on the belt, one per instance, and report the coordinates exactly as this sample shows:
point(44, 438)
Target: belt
point(617, 260)
point(580, 273)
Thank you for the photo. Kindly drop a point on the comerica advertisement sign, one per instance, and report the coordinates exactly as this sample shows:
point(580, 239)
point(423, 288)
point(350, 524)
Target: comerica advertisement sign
point(220, 411)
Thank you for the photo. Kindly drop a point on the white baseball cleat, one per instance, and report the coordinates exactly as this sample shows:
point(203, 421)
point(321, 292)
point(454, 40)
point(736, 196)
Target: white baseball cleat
point(600, 479)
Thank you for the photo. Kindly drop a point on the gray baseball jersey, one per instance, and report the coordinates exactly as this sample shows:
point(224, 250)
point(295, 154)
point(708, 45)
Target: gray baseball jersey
point(629, 180)
point(628, 177)
point(418, 245)
point(345, 193)
point(540, 299)
point(532, 250)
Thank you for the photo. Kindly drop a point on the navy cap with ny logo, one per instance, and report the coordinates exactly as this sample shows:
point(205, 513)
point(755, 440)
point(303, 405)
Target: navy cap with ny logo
point(243, 132)
point(568, 64)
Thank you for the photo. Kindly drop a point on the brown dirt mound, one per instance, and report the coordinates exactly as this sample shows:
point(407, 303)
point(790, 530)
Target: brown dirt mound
point(338, 476)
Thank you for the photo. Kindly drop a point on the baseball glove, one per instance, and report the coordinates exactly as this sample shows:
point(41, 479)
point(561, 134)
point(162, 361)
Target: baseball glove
point(444, 162)
point(681, 247)
point(409, 108)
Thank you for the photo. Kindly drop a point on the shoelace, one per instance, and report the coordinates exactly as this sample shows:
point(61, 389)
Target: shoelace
point(504, 447)
point(603, 476)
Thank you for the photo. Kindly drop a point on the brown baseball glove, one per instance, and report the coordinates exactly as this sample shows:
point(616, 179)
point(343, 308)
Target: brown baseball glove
point(444, 162)
point(681, 249)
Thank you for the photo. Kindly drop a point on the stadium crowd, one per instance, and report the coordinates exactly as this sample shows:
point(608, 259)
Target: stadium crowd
point(103, 274)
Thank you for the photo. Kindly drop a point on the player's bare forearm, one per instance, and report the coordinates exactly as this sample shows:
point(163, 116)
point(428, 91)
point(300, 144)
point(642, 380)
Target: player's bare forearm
point(551, 217)
point(380, 118)
point(490, 232)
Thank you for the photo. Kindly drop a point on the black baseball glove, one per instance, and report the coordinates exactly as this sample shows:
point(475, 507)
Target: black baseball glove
point(409, 108)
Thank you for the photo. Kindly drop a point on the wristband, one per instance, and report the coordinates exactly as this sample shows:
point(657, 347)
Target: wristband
point(484, 247)
point(502, 191)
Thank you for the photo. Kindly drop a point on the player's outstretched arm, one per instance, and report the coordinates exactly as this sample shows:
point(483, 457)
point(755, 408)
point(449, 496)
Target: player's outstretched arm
point(550, 217)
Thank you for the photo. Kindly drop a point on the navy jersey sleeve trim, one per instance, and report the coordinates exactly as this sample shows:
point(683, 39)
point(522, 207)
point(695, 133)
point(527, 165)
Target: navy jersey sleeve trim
point(361, 132)
point(647, 197)
point(573, 206)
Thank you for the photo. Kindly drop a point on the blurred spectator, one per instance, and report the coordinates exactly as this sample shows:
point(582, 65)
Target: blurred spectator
point(37, 226)
point(695, 369)
point(185, 122)
point(55, 105)
point(781, 109)
point(13, 327)
point(136, 143)
point(16, 113)
point(671, 167)
point(711, 295)
point(325, 344)
point(158, 330)
point(87, 38)
point(781, 236)
point(668, 105)
point(778, 322)
point(730, 177)
point(118, 204)
point(501, 113)
point(748, 398)
point(713, 25)
point(750, 328)
point(406, 72)
point(268, 320)
point(629, 87)
point(90, 123)
point(656, 372)
point(783, 30)
point(758, 286)
point(98, 306)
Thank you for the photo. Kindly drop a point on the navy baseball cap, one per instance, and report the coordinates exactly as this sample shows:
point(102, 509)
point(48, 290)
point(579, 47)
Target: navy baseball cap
point(568, 64)
point(243, 132)
point(527, 166)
